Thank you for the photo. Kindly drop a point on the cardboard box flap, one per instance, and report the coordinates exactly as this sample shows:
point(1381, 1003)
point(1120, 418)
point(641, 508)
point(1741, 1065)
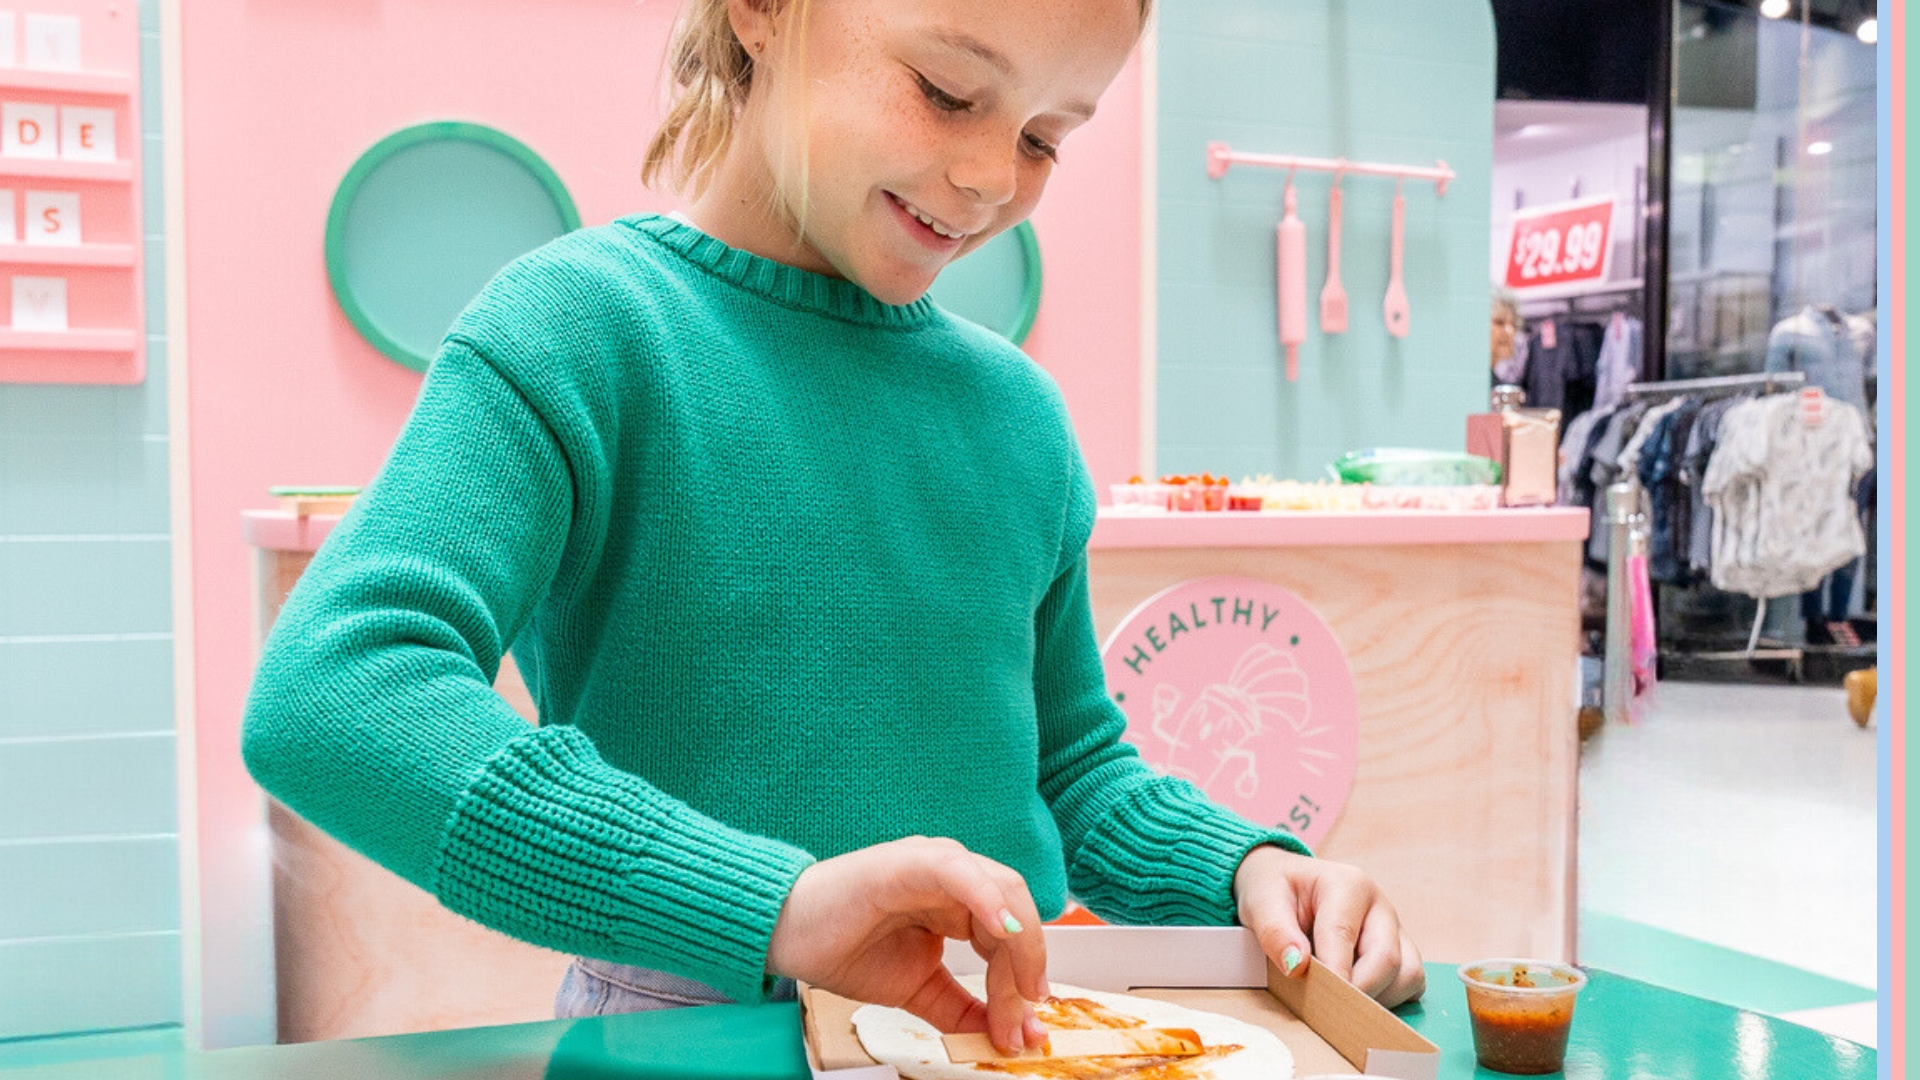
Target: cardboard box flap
point(1372, 1039)
point(1123, 958)
point(832, 1046)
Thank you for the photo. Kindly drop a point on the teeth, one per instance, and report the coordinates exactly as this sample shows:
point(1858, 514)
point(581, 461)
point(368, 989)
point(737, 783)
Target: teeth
point(927, 219)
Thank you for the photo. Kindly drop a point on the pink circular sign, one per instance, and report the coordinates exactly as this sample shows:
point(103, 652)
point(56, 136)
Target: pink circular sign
point(1236, 685)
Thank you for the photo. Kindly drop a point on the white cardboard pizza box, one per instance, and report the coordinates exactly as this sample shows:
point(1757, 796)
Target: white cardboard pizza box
point(1331, 1028)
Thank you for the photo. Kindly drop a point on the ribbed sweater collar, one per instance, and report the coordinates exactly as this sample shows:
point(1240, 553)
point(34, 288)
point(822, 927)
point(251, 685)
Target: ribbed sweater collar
point(785, 285)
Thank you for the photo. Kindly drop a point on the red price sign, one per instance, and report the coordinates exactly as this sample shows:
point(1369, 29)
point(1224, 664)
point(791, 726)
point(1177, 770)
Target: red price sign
point(1554, 245)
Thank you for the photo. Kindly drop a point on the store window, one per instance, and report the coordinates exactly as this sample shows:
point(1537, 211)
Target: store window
point(1771, 214)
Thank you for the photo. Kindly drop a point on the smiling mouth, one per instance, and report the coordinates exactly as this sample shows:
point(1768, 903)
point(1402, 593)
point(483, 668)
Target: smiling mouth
point(938, 228)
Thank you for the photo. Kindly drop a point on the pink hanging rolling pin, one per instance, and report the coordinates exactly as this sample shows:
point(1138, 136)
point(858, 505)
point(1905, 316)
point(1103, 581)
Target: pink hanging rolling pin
point(1292, 280)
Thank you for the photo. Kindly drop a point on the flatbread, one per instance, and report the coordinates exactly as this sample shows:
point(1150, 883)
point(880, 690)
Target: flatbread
point(1236, 1050)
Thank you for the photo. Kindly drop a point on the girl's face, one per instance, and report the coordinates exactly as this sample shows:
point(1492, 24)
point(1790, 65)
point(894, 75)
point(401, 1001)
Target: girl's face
point(930, 125)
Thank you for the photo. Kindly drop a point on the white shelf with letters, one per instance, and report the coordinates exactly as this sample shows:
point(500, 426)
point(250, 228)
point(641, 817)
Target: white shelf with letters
point(71, 241)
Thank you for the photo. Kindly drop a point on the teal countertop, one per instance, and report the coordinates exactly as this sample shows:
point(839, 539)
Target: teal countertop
point(1622, 1030)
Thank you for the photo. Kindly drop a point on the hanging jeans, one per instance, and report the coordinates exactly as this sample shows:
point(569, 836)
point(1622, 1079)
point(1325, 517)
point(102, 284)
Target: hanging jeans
point(1831, 600)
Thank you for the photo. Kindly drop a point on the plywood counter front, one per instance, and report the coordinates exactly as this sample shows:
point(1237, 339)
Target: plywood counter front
point(1462, 634)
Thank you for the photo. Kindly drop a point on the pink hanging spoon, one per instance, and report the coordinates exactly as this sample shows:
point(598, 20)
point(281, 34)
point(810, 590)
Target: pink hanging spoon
point(1396, 305)
point(1291, 274)
point(1333, 298)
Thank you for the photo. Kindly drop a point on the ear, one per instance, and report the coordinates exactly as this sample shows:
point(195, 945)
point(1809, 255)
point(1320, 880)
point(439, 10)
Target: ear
point(753, 23)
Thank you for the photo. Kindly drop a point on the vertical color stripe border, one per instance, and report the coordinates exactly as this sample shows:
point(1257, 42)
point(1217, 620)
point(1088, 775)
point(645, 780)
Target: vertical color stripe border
point(1891, 646)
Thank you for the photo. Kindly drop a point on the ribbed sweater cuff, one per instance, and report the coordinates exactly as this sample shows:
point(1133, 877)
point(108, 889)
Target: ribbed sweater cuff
point(554, 845)
point(1166, 855)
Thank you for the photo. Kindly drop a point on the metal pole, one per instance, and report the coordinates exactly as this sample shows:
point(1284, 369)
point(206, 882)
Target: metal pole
point(1623, 519)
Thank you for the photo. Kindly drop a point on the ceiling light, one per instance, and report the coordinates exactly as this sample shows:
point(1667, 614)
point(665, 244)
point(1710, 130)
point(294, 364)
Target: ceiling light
point(1869, 31)
point(1774, 9)
point(1820, 148)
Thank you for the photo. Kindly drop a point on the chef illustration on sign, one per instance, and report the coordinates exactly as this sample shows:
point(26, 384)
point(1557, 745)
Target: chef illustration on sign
point(1229, 719)
point(1237, 687)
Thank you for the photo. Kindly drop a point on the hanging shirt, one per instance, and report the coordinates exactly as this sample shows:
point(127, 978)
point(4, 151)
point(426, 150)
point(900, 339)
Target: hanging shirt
point(1603, 469)
point(1782, 493)
point(1680, 494)
point(1629, 459)
point(1700, 446)
point(1573, 455)
point(1560, 375)
point(1659, 466)
point(1619, 363)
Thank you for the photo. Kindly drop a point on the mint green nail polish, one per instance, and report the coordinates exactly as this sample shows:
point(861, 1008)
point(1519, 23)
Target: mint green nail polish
point(1012, 924)
point(1290, 959)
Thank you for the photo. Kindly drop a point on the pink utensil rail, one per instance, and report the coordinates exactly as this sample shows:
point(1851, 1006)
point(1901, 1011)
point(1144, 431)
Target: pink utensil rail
point(1221, 157)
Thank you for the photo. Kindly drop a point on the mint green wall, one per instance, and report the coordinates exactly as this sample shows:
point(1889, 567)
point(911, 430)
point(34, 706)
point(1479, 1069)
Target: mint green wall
point(1402, 81)
point(89, 881)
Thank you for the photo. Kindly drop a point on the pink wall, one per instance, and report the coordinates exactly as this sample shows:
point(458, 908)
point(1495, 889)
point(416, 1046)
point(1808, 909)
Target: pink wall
point(280, 99)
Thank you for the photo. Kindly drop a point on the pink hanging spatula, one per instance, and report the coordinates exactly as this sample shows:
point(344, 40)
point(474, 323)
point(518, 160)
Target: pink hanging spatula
point(1396, 304)
point(1333, 297)
point(1292, 279)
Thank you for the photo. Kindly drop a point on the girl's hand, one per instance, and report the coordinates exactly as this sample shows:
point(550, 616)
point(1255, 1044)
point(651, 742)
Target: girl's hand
point(1329, 912)
point(870, 925)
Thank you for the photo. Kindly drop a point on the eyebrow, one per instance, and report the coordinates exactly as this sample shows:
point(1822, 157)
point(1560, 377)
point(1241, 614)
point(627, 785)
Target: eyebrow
point(967, 43)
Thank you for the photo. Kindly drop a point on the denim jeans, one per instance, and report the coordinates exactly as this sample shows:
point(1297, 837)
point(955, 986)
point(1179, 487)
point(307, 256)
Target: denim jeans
point(598, 988)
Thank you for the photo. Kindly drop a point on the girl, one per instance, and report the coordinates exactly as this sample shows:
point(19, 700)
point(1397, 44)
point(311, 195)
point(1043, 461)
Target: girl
point(793, 563)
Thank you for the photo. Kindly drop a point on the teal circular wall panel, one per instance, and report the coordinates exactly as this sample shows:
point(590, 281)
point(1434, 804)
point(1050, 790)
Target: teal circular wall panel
point(997, 286)
point(425, 218)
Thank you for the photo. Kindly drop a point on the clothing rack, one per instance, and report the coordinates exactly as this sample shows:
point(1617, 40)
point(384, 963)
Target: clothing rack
point(1626, 513)
point(1621, 297)
point(1717, 385)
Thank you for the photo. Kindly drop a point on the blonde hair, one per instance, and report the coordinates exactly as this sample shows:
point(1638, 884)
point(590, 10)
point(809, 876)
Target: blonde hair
point(710, 72)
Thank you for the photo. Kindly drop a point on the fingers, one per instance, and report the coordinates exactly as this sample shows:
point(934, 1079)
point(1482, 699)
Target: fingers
point(1342, 896)
point(1377, 967)
point(1008, 1014)
point(1004, 928)
point(1028, 950)
point(1412, 980)
point(944, 1003)
point(1277, 925)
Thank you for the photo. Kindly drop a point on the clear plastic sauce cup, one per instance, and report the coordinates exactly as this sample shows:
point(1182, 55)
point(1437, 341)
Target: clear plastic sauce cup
point(1522, 1011)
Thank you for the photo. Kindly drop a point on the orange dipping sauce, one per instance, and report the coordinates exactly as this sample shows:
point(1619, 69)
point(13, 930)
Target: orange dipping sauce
point(1522, 1013)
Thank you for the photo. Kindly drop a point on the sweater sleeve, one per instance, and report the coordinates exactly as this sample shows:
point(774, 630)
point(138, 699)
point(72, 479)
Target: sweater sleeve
point(1139, 847)
point(372, 713)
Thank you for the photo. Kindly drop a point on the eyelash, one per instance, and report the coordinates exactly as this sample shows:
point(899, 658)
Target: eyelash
point(947, 103)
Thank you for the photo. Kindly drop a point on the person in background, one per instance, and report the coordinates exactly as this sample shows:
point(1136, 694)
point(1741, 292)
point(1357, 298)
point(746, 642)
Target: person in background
point(1509, 341)
point(793, 561)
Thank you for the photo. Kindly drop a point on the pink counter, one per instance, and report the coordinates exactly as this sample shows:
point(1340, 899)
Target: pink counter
point(281, 531)
point(1385, 529)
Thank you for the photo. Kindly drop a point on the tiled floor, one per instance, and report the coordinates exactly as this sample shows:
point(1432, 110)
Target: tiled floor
point(1728, 848)
point(96, 1046)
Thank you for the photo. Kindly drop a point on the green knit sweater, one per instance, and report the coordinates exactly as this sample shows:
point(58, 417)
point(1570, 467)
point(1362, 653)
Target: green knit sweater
point(789, 572)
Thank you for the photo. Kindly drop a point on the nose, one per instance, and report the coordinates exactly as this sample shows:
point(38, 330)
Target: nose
point(987, 169)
